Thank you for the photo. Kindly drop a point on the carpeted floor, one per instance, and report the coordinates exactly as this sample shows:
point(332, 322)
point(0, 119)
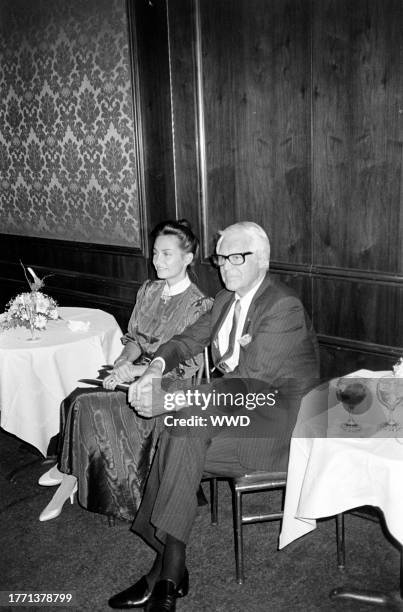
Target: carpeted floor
point(78, 552)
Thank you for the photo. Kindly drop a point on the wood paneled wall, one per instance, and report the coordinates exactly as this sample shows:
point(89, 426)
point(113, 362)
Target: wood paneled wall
point(288, 113)
point(295, 121)
point(298, 109)
point(357, 169)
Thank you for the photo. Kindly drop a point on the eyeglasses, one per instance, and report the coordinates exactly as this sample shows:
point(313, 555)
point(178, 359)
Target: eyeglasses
point(236, 259)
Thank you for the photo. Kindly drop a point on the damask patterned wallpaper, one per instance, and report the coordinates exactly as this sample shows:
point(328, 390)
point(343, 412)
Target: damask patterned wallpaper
point(67, 149)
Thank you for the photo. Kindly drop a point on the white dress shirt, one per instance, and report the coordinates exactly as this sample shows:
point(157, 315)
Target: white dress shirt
point(225, 329)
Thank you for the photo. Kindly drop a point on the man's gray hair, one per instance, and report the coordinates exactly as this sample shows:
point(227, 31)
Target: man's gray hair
point(259, 240)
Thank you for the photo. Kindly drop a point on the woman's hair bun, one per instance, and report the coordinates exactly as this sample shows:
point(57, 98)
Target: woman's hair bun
point(185, 223)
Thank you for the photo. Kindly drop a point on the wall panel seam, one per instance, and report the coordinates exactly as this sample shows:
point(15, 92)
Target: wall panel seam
point(201, 134)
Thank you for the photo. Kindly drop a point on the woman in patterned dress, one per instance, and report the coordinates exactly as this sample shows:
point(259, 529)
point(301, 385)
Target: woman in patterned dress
point(106, 448)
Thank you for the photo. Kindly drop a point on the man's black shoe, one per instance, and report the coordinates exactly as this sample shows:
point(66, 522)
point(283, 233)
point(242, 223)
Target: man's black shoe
point(138, 594)
point(135, 596)
point(163, 598)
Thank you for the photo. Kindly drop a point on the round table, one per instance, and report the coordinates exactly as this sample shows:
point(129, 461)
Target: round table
point(331, 471)
point(35, 376)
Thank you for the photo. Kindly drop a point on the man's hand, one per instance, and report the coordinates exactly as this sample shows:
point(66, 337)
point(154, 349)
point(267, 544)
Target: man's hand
point(146, 395)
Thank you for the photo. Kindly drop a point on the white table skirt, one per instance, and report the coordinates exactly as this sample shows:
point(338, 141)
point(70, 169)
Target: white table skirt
point(36, 376)
point(327, 476)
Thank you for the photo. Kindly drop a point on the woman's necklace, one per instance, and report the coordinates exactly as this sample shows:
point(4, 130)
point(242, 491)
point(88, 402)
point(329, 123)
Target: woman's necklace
point(170, 290)
point(165, 295)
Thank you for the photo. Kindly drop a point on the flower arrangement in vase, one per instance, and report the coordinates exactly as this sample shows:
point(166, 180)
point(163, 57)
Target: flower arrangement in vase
point(31, 309)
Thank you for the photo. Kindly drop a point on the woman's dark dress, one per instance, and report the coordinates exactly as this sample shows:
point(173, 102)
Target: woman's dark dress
point(105, 444)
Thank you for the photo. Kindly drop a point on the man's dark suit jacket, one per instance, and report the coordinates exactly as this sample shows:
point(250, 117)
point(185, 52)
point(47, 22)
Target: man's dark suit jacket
point(280, 352)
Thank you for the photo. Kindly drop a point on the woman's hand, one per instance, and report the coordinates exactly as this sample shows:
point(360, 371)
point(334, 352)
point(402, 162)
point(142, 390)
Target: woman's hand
point(138, 370)
point(120, 373)
point(110, 382)
point(125, 372)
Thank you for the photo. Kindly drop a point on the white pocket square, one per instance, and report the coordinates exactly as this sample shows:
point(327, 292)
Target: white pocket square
point(244, 340)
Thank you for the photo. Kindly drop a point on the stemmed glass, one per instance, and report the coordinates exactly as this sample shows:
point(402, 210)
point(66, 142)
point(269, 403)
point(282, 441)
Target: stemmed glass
point(390, 393)
point(350, 392)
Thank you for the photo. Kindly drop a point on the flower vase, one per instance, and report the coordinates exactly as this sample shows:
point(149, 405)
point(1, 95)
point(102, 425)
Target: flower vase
point(35, 334)
point(31, 310)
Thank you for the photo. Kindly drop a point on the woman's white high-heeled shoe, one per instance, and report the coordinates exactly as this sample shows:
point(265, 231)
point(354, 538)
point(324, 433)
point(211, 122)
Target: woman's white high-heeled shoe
point(51, 478)
point(68, 488)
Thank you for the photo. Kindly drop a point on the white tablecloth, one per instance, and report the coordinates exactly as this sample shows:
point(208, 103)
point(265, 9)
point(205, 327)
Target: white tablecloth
point(36, 376)
point(327, 476)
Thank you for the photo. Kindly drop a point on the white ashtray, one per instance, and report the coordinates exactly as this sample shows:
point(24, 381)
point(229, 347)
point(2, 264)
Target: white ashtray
point(78, 326)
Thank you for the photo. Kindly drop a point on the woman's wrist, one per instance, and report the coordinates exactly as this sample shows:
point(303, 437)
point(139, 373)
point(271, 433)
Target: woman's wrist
point(121, 360)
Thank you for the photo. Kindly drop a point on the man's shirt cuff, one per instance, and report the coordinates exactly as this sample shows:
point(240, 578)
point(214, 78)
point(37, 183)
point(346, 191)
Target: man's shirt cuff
point(161, 360)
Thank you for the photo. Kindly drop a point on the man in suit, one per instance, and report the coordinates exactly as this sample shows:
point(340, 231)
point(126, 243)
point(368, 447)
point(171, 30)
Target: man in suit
point(263, 342)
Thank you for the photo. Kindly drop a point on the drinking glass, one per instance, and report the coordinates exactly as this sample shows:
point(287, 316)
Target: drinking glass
point(35, 335)
point(390, 393)
point(350, 392)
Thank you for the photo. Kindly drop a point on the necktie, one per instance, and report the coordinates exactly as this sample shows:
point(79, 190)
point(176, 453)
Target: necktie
point(231, 342)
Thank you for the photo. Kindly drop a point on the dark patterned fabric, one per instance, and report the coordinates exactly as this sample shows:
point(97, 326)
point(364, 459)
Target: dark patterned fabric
point(67, 151)
point(109, 449)
point(105, 444)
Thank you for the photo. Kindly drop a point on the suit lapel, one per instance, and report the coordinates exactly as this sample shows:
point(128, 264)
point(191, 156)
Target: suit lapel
point(265, 284)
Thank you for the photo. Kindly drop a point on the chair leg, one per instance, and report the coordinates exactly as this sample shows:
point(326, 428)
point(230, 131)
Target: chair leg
point(238, 536)
point(214, 500)
point(341, 552)
point(201, 498)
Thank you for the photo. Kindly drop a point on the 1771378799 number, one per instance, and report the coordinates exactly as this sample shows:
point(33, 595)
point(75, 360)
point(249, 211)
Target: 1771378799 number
point(30, 598)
